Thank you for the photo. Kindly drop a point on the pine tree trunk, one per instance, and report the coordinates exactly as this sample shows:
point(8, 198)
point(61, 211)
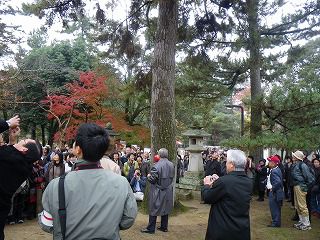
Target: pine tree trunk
point(163, 130)
point(255, 80)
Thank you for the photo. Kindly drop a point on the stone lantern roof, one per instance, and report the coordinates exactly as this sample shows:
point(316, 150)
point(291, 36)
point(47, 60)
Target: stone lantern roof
point(110, 130)
point(196, 132)
point(196, 137)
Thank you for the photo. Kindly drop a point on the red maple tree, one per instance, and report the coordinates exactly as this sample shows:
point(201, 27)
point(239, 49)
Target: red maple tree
point(83, 102)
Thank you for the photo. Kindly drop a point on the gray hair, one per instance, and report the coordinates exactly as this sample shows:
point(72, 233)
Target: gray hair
point(163, 153)
point(238, 158)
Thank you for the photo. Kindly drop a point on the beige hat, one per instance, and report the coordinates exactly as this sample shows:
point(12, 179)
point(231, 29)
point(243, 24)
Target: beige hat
point(299, 155)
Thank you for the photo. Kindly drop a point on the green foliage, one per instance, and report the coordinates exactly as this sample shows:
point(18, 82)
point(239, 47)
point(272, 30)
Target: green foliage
point(212, 36)
point(51, 9)
point(8, 33)
point(44, 71)
point(292, 107)
point(37, 39)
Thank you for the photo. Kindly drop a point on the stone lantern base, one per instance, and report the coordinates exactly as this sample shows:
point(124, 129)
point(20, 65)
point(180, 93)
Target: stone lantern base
point(190, 185)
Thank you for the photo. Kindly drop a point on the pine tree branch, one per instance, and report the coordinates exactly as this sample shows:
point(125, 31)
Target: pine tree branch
point(132, 14)
point(275, 120)
point(285, 25)
point(288, 32)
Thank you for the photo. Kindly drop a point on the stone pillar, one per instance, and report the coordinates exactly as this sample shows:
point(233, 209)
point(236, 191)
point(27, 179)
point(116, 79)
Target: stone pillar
point(190, 184)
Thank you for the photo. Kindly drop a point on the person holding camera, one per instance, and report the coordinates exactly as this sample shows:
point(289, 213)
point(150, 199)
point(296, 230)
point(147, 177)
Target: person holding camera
point(213, 166)
point(138, 184)
point(229, 197)
point(15, 167)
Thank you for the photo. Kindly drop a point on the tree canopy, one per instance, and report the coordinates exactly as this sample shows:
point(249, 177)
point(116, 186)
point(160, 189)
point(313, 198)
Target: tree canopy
point(220, 46)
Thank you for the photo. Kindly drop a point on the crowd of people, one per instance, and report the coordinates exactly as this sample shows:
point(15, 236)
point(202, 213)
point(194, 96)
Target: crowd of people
point(132, 163)
point(102, 188)
point(42, 180)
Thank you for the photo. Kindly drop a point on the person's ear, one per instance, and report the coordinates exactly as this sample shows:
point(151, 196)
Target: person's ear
point(78, 151)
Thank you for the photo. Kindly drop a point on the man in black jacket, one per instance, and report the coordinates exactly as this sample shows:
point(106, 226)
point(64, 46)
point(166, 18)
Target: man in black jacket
point(230, 195)
point(15, 167)
point(212, 165)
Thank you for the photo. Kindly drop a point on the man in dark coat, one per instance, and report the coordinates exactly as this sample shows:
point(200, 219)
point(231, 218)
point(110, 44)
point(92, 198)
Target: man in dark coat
point(212, 165)
point(229, 197)
point(276, 194)
point(262, 173)
point(16, 163)
point(161, 192)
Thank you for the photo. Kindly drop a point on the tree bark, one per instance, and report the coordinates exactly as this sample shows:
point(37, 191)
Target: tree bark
point(255, 79)
point(163, 131)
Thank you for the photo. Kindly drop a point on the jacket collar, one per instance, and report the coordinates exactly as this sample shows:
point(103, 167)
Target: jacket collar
point(81, 162)
point(237, 173)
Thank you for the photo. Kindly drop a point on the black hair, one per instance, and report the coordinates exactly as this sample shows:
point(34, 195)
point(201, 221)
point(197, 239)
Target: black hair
point(93, 141)
point(112, 154)
point(288, 157)
point(316, 159)
point(34, 151)
point(252, 158)
point(262, 160)
point(60, 155)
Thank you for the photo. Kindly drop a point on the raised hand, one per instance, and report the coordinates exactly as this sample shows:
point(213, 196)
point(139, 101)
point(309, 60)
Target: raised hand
point(14, 122)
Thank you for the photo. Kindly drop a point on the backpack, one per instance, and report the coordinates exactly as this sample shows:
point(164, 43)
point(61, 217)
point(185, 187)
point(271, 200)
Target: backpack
point(310, 175)
point(24, 188)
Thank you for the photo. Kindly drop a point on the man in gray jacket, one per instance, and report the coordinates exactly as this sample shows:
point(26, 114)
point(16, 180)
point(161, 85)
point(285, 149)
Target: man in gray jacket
point(98, 203)
point(301, 178)
point(161, 192)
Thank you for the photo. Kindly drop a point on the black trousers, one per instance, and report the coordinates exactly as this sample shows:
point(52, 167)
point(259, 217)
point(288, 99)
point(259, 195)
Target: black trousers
point(261, 194)
point(153, 220)
point(17, 208)
point(286, 190)
point(3, 218)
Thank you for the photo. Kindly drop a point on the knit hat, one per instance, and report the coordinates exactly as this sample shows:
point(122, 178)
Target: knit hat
point(274, 159)
point(156, 158)
point(298, 154)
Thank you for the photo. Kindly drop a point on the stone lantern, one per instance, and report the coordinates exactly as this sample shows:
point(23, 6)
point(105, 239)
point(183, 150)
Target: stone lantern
point(111, 132)
point(112, 136)
point(192, 180)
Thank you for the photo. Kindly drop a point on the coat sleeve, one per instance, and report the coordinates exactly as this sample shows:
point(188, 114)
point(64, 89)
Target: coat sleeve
point(276, 181)
point(133, 182)
point(154, 175)
point(130, 211)
point(215, 193)
point(308, 177)
point(143, 181)
point(126, 169)
point(45, 219)
point(3, 125)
